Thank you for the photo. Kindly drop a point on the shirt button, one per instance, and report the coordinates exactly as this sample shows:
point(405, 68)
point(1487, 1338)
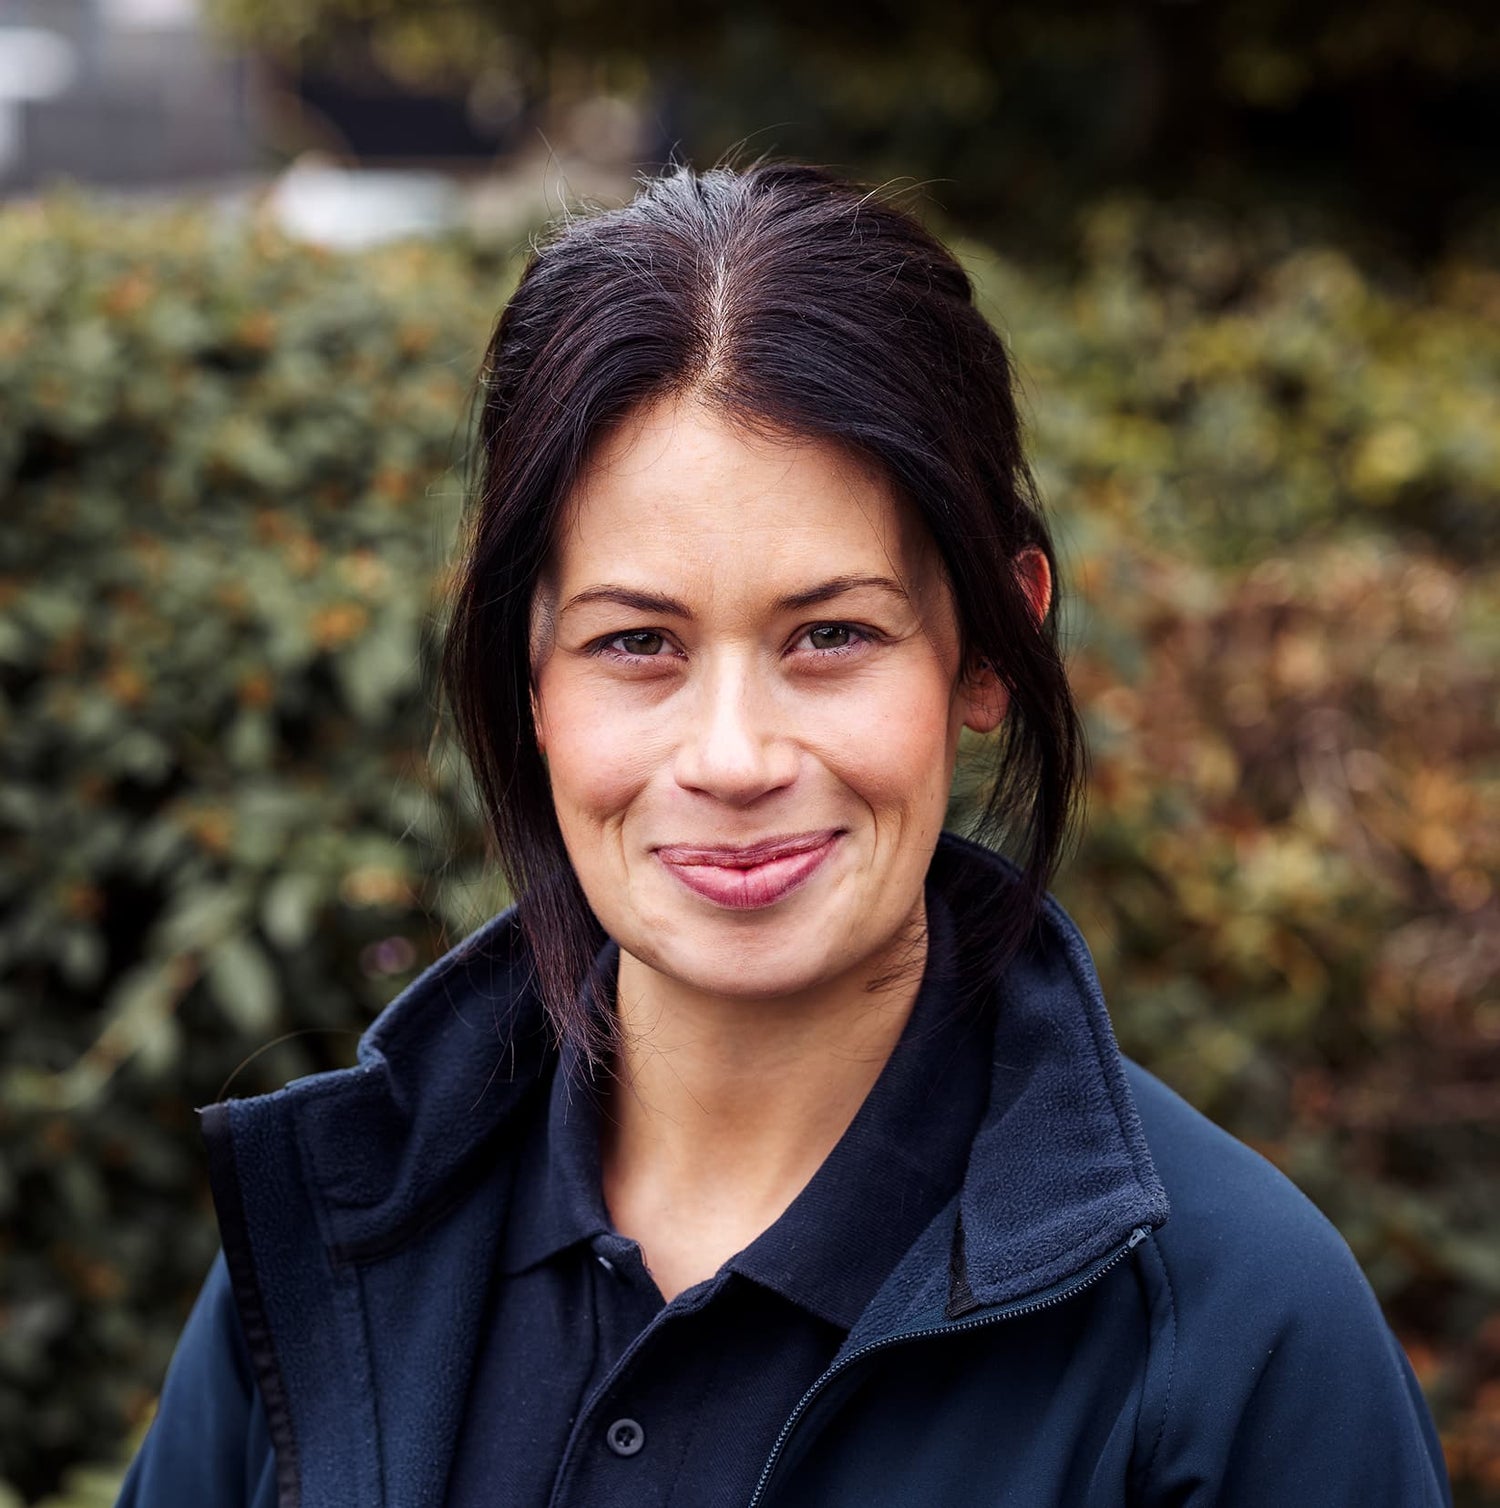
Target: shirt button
point(605, 1263)
point(625, 1437)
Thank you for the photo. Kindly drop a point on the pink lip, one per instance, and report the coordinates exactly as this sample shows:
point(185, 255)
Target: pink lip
point(744, 879)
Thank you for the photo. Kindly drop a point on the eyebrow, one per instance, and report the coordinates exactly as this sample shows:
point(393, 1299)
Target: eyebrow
point(836, 586)
point(670, 607)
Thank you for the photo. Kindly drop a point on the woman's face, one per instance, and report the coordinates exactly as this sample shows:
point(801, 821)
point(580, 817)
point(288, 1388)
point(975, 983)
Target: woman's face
point(747, 690)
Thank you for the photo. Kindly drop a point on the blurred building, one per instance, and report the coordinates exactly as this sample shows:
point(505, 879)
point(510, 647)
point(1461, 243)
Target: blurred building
point(120, 93)
point(131, 95)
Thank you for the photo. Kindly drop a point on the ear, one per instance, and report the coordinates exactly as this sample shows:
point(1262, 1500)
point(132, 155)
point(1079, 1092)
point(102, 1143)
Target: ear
point(537, 724)
point(541, 635)
point(1035, 575)
point(985, 699)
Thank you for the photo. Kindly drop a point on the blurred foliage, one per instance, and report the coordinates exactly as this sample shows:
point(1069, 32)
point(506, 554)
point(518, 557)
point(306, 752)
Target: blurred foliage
point(227, 468)
point(1373, 112)
point(93, 1485)
point(226, 495)
point(1225, 389)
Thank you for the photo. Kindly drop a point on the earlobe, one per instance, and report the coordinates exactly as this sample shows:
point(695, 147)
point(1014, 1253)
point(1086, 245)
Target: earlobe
point(986, 701)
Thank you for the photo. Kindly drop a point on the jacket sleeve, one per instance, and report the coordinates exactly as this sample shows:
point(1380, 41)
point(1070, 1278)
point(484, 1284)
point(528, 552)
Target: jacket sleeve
point(209, 1443)
point(1276, 1380)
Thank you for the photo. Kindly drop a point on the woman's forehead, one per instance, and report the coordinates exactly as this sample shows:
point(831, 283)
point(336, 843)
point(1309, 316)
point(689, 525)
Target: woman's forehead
point(681, 490)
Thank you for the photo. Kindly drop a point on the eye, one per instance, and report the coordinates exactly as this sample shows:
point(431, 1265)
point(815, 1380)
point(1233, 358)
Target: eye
point(634, 646)
point(832, 637)
point(641, 642)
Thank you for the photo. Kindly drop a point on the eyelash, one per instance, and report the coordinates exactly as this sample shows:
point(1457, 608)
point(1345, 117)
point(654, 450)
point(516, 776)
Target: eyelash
point(859, 637)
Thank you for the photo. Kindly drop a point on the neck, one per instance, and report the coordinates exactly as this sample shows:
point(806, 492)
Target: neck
point(723, 1109)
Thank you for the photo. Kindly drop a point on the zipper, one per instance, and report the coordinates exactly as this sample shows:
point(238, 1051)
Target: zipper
point(1138, 1235)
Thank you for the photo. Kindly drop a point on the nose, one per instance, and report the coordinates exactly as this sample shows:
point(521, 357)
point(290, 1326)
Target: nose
point(736, 744)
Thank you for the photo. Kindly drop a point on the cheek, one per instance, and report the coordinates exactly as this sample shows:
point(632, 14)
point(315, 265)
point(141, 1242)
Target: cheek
point(897, 752)
point(597, 758)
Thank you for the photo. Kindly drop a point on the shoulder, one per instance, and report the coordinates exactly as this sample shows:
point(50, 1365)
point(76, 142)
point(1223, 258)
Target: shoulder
point(1244, 1247)
point(1273, 1369)
point(1233, 1213)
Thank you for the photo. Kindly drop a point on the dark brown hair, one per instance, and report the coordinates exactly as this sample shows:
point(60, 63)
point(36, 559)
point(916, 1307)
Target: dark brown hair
point(798, 303)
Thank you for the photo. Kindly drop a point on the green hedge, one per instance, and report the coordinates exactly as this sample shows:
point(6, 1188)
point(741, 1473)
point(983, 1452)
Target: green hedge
point(1224, 391)
point(225, 464)
point(228, 467)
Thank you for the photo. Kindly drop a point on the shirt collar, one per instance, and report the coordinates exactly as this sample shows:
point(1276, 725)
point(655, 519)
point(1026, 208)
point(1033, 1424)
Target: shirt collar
point(900, 1160)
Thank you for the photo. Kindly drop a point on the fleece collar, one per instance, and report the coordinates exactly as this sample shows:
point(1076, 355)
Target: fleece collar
point(1058, 1175)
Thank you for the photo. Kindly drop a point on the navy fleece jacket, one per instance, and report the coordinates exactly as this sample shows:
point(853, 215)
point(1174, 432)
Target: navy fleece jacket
point(1053, 1338)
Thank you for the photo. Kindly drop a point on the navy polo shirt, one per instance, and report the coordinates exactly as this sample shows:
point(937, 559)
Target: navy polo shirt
point(591, 1390)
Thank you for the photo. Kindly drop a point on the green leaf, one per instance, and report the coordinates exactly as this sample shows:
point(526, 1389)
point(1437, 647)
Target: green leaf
point(290, 909)
point(200, 918)
point(243, 982)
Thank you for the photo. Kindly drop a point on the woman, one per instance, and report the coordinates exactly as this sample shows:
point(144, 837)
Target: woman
point(775, 1147)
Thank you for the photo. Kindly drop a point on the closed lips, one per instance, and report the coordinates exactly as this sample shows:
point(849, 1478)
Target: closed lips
point(751, 878)
point(689, 856)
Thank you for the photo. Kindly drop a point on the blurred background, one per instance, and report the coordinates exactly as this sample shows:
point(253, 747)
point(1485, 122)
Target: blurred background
point(1248, 258)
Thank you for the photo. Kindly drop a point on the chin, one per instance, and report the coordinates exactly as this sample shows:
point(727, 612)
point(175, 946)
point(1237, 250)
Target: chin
point(760, 962)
